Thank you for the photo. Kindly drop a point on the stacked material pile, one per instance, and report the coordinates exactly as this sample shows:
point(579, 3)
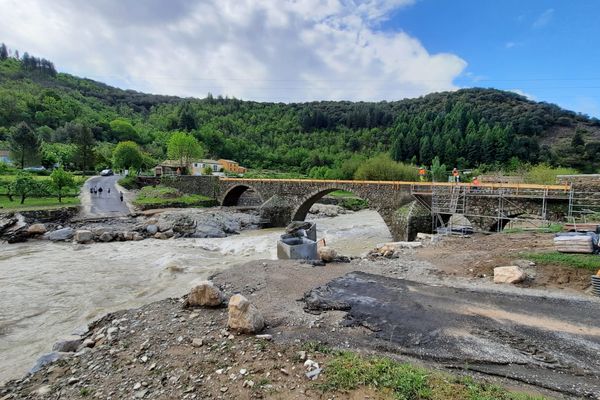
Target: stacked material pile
point(576, 242)
point(596, 284)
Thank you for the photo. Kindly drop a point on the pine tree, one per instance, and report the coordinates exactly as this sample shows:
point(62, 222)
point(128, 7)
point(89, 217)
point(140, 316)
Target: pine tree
point(24, 144)
point(3, 52)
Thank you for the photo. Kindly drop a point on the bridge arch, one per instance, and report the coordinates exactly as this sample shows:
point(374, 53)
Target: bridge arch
point(232, 195)
point(300, 212)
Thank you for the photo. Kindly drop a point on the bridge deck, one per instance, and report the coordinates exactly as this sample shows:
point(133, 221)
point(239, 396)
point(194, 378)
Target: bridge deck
point(428, 188)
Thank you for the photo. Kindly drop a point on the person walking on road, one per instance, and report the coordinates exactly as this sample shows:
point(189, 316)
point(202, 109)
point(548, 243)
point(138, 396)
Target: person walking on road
point(100, 191)
point(108, 191)
point(121, 196)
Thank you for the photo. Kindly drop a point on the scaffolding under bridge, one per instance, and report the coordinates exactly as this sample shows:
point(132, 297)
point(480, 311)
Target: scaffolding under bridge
point(523, 205)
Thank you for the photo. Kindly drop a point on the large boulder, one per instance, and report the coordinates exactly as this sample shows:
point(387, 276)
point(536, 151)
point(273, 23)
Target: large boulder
point(13, 228)
point(205, 294)
point(327, 254)
point(509, 274)
point(60, 234)
point(106, 237)
point(244, 316)
point(84, 236)
point(68, 345)
point(152, 229)
point(37, 229)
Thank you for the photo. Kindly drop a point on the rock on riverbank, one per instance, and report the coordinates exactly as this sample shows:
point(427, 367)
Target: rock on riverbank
point(194, 223)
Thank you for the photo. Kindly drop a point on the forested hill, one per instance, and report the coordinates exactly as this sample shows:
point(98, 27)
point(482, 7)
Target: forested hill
point(465, 128)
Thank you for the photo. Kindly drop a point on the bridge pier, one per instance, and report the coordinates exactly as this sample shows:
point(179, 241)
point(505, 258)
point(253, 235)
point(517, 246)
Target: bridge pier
point(278, 210)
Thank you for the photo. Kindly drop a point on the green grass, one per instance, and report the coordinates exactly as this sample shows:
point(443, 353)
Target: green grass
point(32, 203)
point(79, 181)
point(349, 371)
point(585, 261)
point(163, 197)
point(552, 228)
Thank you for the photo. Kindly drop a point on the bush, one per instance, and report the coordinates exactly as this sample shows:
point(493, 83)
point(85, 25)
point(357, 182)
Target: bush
point(383, 168)
point(544, 174)
point(129, 182)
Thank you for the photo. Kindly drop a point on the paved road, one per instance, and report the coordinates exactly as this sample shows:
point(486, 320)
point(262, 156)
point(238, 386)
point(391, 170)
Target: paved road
point(105, 204)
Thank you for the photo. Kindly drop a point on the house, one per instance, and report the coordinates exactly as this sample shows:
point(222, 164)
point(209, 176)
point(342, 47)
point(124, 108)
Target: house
point(198, 167)
point(170, 167)
point(232, 166)
point(4, 157)
point(194, 167)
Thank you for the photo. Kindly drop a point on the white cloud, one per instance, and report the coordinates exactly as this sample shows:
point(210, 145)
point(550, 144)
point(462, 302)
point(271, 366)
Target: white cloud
point(522, 93)
point(543, 19)
point(276, 50)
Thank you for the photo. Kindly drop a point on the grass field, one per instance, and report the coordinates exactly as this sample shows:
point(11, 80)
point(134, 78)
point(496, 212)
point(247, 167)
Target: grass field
point(163, 197)
point(585, 261)
point(34, 203)
point(70, 197)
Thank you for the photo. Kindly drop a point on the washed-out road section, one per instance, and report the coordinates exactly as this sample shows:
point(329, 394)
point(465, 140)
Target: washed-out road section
point(547, 342)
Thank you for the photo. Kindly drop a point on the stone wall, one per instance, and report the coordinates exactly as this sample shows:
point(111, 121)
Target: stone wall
point(57, 215)
point(205, 185)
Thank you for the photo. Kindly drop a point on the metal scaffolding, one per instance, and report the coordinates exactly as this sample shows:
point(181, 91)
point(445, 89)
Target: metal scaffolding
point(448, 200)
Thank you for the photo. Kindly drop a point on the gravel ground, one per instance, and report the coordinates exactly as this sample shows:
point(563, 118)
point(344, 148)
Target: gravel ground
point(165, 351)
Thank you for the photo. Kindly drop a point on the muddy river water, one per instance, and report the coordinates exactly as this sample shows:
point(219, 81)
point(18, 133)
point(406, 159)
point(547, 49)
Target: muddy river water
point(47, 290)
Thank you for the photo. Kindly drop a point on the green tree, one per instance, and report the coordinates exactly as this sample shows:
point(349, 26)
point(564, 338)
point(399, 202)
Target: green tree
point(3, 52)
point(439, 172)
point(383, 168)
point(61, 180)
point(25, 186)
point(183, 147)
point(85, 142)
point(126, 155)
point(186, 118)
point(24, 144)
point(57, 154)
point(123, 130)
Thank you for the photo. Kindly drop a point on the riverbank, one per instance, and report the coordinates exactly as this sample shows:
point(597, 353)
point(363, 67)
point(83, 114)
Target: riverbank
point(68, 284)
point(163, 350)
point(158, 224)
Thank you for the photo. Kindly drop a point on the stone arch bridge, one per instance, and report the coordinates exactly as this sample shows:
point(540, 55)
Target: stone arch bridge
point(405, 207)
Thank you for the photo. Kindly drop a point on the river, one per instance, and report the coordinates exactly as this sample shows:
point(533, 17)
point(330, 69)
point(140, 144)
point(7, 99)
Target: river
point(50, 289)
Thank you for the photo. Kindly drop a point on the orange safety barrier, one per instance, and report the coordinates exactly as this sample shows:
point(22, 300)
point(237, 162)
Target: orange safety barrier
point(516, 186)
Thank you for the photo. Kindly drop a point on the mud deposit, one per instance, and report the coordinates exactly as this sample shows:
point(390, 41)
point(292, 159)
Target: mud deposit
point(549, 343)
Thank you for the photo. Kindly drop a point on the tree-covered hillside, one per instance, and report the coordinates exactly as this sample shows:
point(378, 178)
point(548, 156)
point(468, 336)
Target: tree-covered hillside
point(465, 128)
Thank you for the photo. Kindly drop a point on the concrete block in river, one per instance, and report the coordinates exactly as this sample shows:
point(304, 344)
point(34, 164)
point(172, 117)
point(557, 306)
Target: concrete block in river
point(297, 248)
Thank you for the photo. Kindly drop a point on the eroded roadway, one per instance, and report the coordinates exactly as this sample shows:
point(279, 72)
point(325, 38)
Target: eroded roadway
point(553, 343)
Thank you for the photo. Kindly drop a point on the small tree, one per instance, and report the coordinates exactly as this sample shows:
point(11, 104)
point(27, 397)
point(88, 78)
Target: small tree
point(61, 180)
point(25, 186)
point(127, 154)
point(183, 147)
point(438, 172)
point(207, 170)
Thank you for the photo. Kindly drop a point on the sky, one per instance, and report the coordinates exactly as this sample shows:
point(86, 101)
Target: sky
point(304, 50)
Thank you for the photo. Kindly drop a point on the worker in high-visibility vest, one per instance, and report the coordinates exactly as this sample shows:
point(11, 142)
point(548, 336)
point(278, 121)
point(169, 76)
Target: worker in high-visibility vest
point(422, 173)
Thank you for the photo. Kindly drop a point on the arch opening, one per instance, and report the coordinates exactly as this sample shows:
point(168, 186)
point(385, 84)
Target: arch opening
point(242, 195)
point(350, 232)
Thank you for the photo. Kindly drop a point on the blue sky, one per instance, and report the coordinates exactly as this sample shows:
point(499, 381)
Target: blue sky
point(303, 50)
point(547, 49)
